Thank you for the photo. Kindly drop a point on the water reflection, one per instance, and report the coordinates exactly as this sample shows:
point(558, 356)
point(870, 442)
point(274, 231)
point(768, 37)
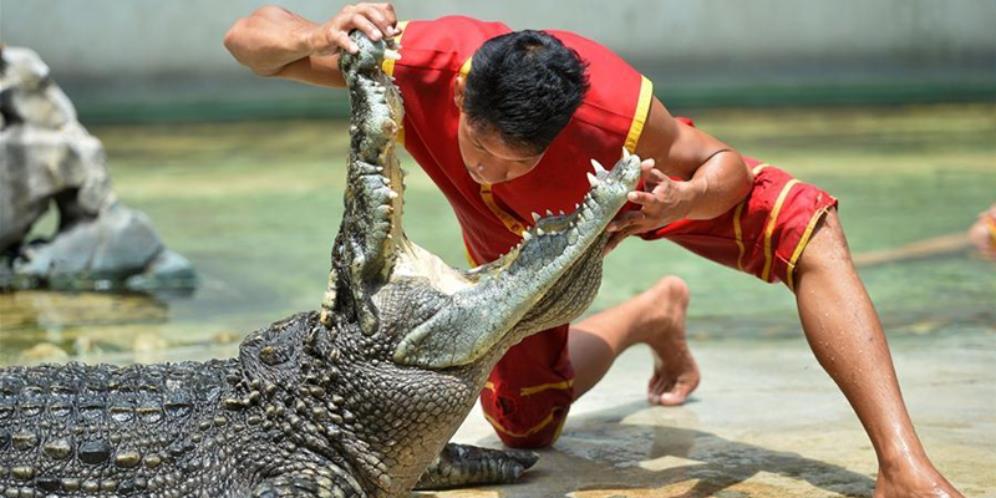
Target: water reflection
point(44, 326)
point(42, 311)
point(260, 234)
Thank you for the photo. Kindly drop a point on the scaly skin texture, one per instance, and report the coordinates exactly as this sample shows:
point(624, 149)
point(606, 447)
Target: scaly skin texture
point(357, 400)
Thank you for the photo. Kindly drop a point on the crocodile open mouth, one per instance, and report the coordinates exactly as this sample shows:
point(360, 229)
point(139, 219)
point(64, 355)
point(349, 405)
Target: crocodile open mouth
point(547, 279)
point(477, 310)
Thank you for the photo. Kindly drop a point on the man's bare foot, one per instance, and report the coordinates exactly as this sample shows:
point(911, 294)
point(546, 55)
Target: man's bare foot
point(926, 482)
point(676, 374)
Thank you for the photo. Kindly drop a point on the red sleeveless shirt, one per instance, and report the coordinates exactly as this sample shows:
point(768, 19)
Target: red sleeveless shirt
point(434, 53)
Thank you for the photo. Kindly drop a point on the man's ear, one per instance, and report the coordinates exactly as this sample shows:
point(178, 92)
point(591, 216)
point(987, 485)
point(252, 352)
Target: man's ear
point(459, 85)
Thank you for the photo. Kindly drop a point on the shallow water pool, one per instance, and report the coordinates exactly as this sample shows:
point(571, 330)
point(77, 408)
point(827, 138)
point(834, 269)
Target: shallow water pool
point(255, 207)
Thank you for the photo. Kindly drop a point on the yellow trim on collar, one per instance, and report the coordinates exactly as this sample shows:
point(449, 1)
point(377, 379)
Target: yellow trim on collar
point(512, 224)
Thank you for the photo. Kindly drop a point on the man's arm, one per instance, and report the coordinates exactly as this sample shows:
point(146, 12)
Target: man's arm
point(273, 41)
point(715, 175)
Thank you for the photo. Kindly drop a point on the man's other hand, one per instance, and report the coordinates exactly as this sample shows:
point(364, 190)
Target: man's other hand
point(661, 201)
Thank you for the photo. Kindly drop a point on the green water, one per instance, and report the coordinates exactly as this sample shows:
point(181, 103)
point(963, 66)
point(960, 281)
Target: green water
point(255, 207)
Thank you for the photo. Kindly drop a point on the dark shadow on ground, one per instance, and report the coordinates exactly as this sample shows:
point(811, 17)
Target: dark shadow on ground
point(612, 453)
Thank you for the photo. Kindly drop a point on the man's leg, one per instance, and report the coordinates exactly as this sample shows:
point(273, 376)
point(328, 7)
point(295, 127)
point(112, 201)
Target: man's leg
point(657, 318)
point(846, 336)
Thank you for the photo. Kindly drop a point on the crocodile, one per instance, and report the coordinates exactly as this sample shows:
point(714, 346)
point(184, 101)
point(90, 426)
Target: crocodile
point(355, 399)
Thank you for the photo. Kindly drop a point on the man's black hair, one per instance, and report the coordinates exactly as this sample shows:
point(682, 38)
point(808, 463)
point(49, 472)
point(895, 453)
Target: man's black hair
point(525, 85)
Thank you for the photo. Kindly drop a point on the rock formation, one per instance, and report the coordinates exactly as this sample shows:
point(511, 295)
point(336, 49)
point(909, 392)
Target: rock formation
point(47, 158)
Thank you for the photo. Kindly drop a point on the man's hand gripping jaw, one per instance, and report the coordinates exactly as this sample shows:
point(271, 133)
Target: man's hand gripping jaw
point(525, 291)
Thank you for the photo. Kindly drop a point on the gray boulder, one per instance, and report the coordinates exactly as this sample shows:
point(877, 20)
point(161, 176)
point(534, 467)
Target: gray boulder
point(47, 159)
point(41, 166)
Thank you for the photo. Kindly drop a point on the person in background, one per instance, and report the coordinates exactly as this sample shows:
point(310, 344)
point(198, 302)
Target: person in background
point(981, 236)
point(983, 233)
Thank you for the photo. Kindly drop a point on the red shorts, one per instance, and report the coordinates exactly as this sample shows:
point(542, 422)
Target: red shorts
point(765, 234)
point(529, 392)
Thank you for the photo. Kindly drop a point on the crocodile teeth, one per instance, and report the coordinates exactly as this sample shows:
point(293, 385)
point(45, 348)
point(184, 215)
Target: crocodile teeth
point(392, 54)
point(539, 231)
point(536, 217)
point(599, 169)
point(526, 236)
point(625, 154)
point(392, 194)
point(592, 179)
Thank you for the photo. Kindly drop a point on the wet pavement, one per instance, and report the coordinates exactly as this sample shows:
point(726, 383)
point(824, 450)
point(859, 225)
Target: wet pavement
point(255, 206)
point(766, 422)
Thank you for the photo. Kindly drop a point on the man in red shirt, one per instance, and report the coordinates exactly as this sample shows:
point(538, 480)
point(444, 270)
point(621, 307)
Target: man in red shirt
point(504, 122)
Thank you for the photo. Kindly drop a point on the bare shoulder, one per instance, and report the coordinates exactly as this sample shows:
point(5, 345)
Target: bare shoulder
point(660, 131)
point(678, 148)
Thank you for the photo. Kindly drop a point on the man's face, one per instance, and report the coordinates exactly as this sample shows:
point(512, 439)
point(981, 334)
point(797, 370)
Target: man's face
point(487, 157)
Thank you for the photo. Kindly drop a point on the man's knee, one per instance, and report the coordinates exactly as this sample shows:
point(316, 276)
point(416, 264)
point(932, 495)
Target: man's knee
point(670, 295)
point(673, 289)
point(520, 434)
point(524, 422)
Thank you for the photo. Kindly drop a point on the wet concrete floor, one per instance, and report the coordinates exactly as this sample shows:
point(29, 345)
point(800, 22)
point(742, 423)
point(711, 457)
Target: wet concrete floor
point(766, 422)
